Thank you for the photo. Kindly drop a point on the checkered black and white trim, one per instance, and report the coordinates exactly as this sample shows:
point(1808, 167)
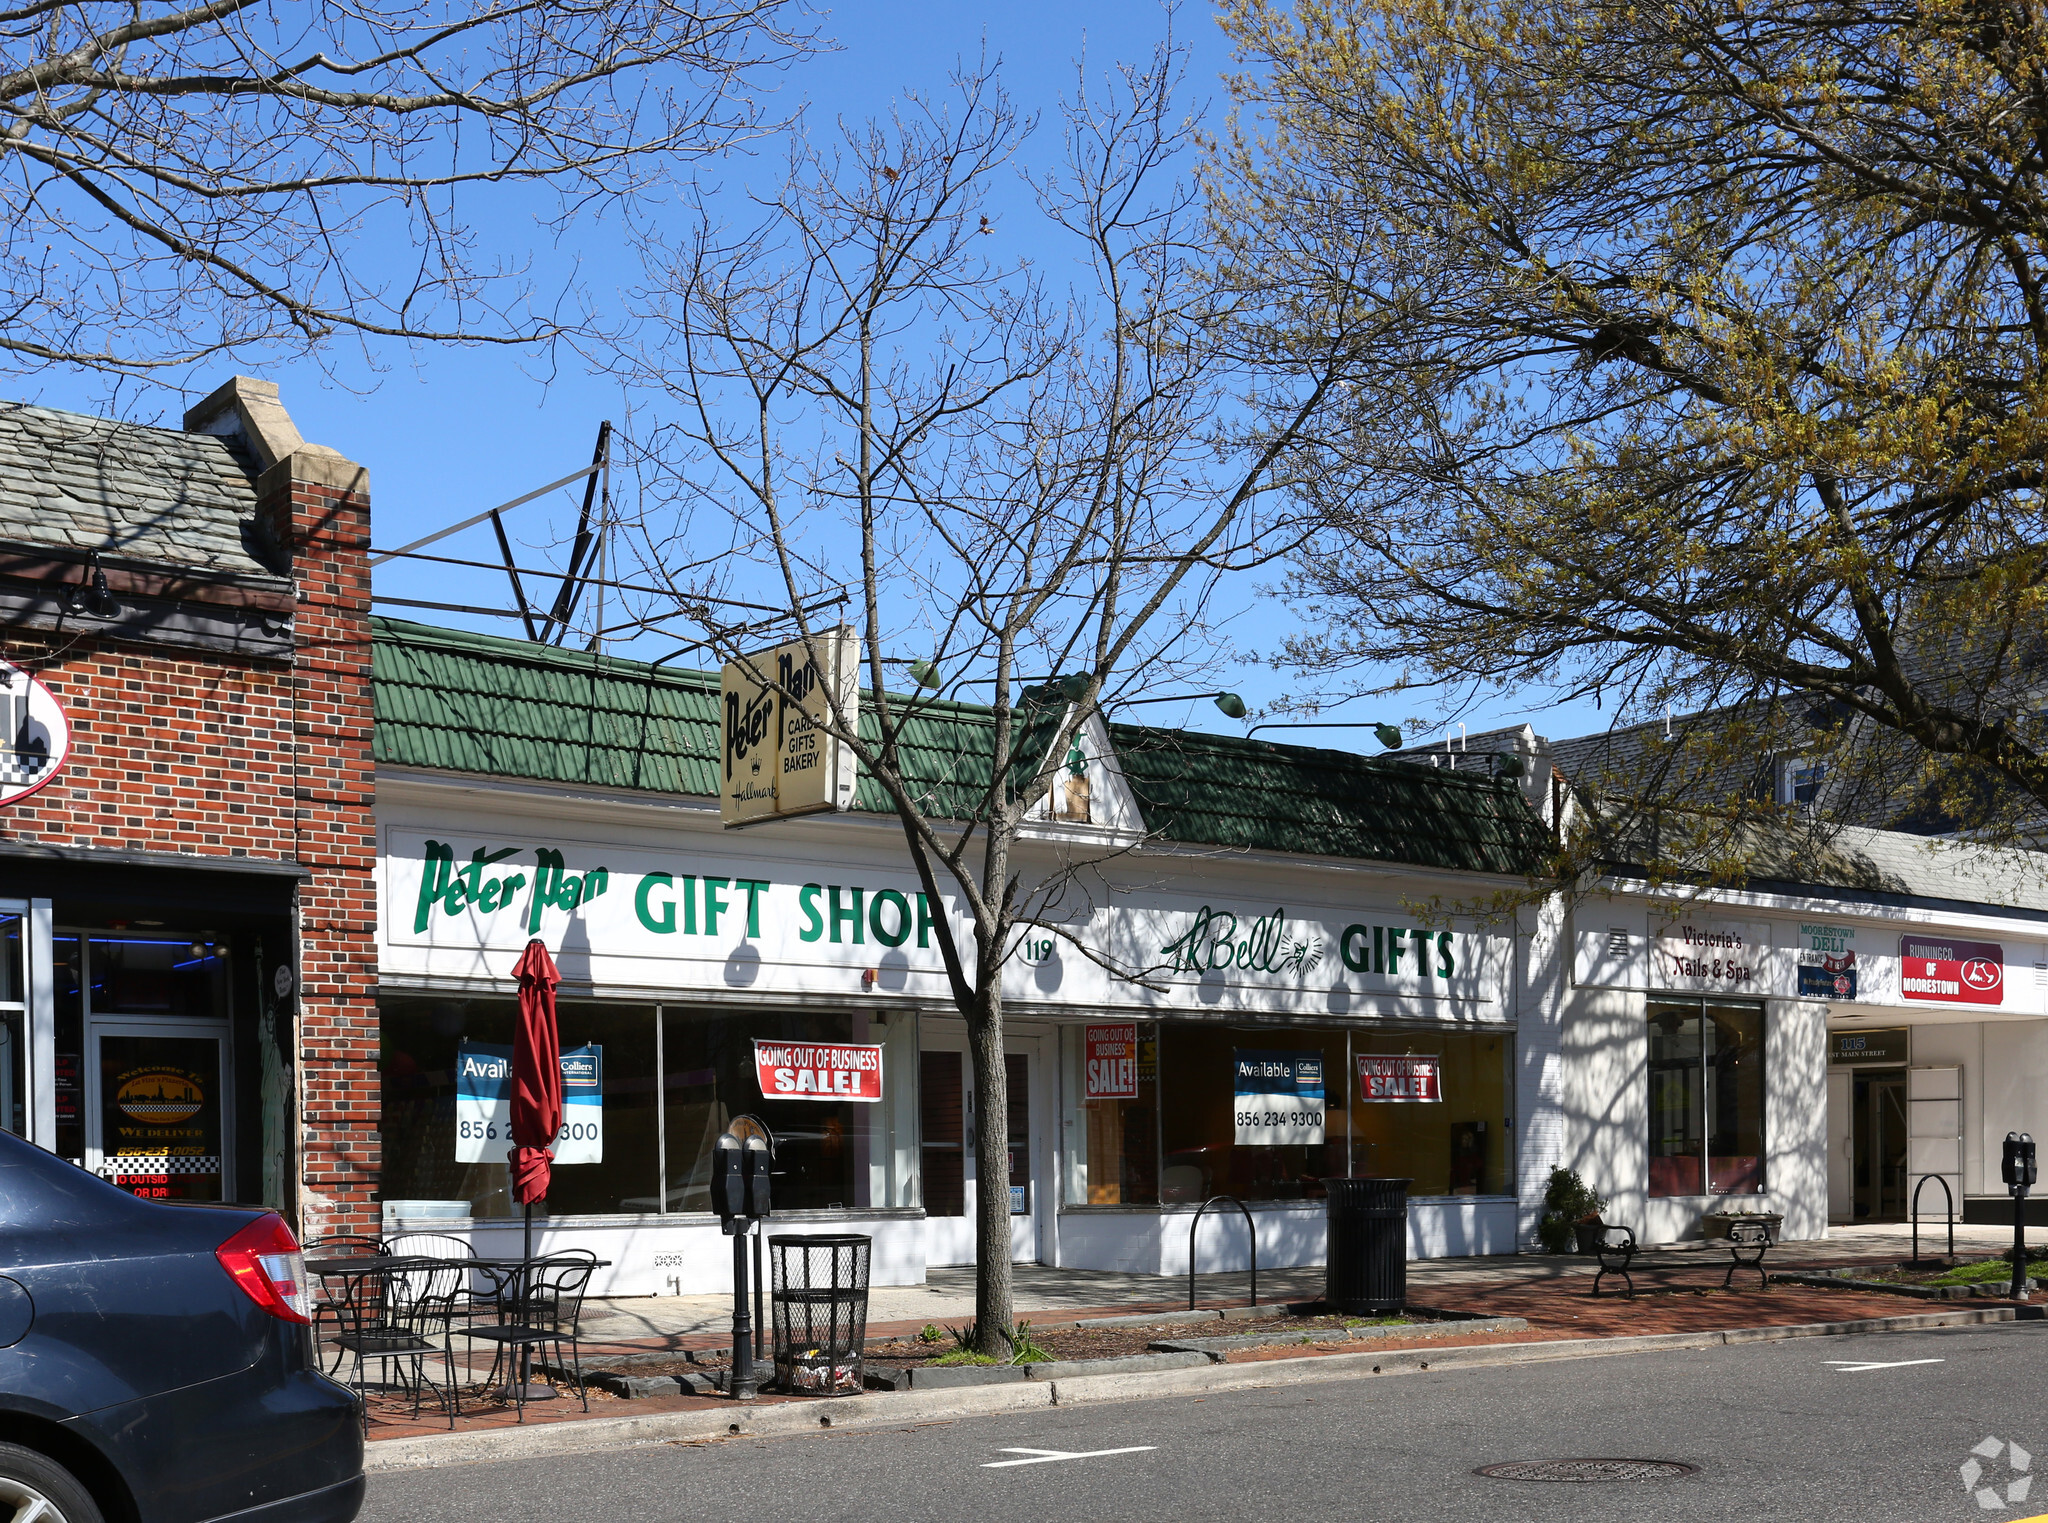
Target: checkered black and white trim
point(129, 1164)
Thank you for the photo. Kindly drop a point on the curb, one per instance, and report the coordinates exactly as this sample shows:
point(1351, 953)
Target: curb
point(784, 1419)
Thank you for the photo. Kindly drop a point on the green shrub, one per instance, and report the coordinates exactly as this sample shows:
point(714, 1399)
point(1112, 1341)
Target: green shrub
point(1567, 1201)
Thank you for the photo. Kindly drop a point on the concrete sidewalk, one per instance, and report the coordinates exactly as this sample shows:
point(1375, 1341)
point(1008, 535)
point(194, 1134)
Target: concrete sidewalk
point(1043, 1294)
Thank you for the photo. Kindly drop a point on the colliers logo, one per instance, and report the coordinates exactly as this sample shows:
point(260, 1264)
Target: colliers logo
point(35, 737)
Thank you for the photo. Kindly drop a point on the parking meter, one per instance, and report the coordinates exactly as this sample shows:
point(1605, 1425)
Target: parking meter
point(728, 1178)
point(756, 1159)
point(2018, 1168)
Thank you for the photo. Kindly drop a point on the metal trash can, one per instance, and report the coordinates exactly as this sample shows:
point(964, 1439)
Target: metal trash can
point(820, 1311)
point(1366, 1269)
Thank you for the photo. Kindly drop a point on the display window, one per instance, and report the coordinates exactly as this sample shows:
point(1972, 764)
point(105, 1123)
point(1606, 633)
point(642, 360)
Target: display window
point(1267, 1113)
point(667, 1082)
point(1706, 1100)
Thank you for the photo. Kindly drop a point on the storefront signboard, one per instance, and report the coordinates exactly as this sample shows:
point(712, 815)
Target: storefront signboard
point(1113, 1062)
point(1885, 1045)
point(777, 755)
point(691, 912)
point(1827, 960)
point(1401, 1078)
point(35, 737)
point(1728, 956)
point(1279, 1098)
point(483, 1104)
point(1950, 971)
point(819, 1070)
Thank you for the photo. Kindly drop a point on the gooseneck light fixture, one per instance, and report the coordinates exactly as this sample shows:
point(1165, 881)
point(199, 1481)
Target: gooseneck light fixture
point(1232, 706)
point(1388, 735)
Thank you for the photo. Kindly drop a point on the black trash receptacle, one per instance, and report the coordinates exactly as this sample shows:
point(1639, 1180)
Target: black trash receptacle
point(1367, 1266)
point(819, 1306)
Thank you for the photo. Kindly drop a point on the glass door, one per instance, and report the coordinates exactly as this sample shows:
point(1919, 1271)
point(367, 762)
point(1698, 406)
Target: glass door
point(157, 1109)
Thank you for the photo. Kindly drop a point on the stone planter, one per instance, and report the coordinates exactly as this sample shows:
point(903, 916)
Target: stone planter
point(1715, 1224)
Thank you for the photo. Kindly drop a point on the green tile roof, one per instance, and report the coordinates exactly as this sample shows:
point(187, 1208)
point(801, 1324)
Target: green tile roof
point(1225, 791)
point(454, 701)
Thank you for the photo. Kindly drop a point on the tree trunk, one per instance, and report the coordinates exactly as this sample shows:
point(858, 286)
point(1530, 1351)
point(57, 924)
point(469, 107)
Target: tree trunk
point(992, 1314)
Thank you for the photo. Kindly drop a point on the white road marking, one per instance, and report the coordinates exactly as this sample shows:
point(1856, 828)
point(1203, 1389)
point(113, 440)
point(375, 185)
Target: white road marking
point(1852, 1366)
point(1047, 1456)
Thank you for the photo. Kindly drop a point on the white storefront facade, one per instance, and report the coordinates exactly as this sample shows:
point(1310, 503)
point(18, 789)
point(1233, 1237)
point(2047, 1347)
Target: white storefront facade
point(1812, 1052)
point(682, 945)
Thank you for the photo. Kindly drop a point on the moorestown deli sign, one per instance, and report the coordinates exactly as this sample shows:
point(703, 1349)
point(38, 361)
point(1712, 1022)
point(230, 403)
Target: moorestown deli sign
point(634, 916)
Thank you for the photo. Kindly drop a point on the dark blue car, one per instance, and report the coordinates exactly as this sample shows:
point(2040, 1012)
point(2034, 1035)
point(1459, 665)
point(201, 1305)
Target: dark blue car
point(156, 1361)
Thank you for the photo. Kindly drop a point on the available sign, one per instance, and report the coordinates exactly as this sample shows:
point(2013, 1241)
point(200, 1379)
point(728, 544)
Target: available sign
point(1954, 972)
point(483, 1104)
point(1403, 1078)
point(1279, 1098)
point(818, 1070)
point(1113, 1062)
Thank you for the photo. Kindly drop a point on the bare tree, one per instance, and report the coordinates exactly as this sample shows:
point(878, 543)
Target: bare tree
point(183, 183)
point(1031, 489)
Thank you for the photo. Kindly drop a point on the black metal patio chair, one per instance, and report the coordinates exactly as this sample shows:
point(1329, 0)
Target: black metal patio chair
point(401, 1316)
point(542, 1309)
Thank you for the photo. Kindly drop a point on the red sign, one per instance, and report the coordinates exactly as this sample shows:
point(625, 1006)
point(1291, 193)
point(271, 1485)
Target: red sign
point(818, 1070)
point(1954, 972)
point(1407, 1078)
point(1113, 1062)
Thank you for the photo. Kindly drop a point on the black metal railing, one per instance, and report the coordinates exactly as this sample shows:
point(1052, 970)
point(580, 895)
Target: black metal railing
point(1251, 1231)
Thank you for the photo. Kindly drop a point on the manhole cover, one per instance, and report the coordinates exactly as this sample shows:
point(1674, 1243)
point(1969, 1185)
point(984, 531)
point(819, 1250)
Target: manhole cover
point(1588, 1470)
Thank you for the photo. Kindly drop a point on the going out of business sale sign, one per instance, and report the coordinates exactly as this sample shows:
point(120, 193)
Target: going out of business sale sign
point(1279, 1098)
point(1113, 1062)
point(818, 1070)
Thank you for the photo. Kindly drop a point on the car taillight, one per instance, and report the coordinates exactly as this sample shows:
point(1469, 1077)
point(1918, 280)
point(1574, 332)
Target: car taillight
point(264, 1259)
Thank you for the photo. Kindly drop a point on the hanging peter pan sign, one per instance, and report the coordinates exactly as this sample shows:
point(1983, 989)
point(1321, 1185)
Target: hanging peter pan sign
point(1279, 1098)
point(777, 756)
point(483, 1104)
point(35, 737)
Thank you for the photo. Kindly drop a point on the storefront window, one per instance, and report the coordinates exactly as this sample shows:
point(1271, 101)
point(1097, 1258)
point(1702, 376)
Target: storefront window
point(1268, 1114)
point(70, 1031)
point(942, 1115)
point(1706, 1069)
point(683, 1070)
point(1456, 1144)
point(159, 975)
point(1112, 1140)
point(829, 1154)
point(1201, 1154)
point(421, 1042)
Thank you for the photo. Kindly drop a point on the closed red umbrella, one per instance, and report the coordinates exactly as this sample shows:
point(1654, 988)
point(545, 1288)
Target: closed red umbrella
point(536, 1076)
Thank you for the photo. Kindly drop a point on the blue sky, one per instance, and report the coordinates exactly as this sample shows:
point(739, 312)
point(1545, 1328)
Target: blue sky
point(448, 433)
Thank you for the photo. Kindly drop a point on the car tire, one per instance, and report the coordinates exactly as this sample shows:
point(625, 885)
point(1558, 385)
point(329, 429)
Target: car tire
point(26, 1476)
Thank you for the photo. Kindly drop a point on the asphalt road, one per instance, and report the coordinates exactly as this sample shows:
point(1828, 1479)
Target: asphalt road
point(1779, 1431)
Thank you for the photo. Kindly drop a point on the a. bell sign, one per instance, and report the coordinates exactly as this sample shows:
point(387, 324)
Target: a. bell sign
point(777, 754)
point(35, 737)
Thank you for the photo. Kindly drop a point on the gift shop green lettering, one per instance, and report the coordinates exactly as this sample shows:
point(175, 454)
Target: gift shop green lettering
point(452, 890)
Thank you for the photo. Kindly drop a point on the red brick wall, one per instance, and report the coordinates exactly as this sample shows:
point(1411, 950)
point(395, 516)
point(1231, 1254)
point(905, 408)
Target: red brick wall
point(182, 751)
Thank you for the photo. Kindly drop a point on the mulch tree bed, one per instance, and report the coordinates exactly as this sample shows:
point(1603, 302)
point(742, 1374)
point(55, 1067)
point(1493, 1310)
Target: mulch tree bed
point(1063, 1343)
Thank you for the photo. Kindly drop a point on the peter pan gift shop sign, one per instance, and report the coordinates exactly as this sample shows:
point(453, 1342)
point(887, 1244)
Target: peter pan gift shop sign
point(617, 912)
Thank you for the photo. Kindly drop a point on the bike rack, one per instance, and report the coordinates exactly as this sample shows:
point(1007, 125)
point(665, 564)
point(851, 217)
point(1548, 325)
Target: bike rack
point(1949, 1196)
point(1251, 1231)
